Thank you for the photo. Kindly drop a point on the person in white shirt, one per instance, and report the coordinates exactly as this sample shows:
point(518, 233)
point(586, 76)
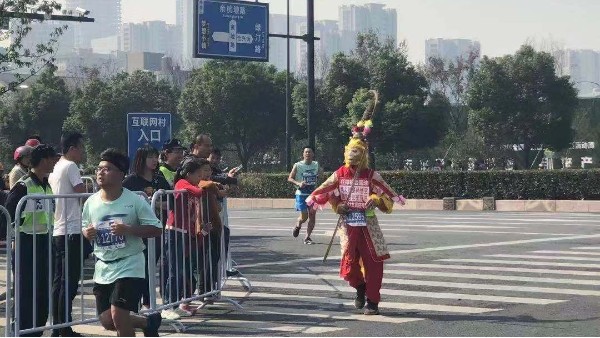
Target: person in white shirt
point(67, 240)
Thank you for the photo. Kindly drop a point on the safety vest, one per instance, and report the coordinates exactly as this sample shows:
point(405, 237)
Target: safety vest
point(169, 175)
point(37, 213)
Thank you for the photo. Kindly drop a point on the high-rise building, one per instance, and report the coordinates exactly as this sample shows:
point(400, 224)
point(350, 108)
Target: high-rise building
point(278, 46)
point(325, 48)
point(187, 35)
point(40, 34)
point(359, 19)
point(583, 66)
point(179, 8)
point(107, 15)
point(451, 49)
point(150, 36)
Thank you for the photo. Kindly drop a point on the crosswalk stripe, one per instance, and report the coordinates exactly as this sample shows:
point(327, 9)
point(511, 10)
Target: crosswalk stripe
point(493, 277)
point(385, 304)
point(560, 220)
point(262, 325)
point(508, 262)
point(447, 284)
point(433, 249)
point(335, 315)
point(494, 268)
point(391, 226)
point(568, 252)
point(329, 233)
point(405, 293)
point(587, 248)
point(558, 258)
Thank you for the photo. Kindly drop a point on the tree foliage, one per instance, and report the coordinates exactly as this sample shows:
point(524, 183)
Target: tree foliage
point(18, 55)
point(100, 108)
point(452, 78)
point(41, 110)
point(518, 99)
point(241, 104)
point(403, 122)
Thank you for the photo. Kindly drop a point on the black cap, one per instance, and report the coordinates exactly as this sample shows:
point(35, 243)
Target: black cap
point(172, 144)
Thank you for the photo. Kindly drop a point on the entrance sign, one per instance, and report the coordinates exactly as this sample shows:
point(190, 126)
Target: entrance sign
point(147, 128)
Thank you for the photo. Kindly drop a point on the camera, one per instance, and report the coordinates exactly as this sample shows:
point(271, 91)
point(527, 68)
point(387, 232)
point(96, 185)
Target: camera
point(82, 11)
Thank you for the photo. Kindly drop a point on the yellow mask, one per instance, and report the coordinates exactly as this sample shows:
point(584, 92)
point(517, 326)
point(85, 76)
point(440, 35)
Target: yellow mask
point(356, 154)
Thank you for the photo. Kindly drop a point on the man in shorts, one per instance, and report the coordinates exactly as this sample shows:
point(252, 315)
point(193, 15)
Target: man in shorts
point(304, 176)
point(117, 219)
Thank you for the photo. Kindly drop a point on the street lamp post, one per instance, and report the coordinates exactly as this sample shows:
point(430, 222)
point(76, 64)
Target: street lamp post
point(311, 71)
point(310, 39)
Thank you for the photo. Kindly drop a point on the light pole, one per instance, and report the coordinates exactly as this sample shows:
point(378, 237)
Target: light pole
point(288, 99)
point(310, 41)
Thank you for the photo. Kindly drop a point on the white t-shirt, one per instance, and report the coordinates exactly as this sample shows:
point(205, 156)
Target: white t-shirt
point(63, 180)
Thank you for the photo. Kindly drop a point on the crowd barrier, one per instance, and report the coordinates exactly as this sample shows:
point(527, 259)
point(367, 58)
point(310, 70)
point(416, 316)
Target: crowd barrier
point(231, 272)
point(90, 184)
point(182, 267)
point(193, 265)
point(7, 294)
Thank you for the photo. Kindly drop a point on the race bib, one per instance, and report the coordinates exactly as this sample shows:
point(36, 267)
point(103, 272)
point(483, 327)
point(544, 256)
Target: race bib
point(310, 179)
point(356, 219)
point(106, 240)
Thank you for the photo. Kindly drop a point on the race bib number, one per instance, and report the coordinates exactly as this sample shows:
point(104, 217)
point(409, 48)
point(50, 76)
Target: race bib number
point(356, 219)
point(310, 179)
point(106, 240)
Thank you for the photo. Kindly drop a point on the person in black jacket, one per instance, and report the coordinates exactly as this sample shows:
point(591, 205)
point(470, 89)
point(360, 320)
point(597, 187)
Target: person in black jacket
point(226, 179)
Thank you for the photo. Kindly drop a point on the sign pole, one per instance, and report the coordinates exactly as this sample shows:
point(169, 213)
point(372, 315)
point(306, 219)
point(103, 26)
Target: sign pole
point(310, 41)
point(288, 100)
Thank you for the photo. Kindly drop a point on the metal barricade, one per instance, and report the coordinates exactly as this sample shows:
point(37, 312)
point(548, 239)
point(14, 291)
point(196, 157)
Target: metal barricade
point(33, 270)
point(90, 184)
point(8, 271)
point(193, 264)
point(231, 272)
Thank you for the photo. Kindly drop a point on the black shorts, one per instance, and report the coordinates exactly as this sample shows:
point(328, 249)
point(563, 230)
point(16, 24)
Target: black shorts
point(124, 293)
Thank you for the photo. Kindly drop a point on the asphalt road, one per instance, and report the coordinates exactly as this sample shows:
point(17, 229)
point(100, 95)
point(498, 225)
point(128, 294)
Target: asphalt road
point(451, 274)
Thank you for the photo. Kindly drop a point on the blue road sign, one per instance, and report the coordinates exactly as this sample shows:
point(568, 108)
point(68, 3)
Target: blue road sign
point(147, 128)
point(231, 29)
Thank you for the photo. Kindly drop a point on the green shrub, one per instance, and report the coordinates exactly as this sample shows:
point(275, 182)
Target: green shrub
point(531, 184)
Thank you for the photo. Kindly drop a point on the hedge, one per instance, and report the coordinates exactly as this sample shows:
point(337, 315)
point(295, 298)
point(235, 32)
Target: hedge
point(510, 185)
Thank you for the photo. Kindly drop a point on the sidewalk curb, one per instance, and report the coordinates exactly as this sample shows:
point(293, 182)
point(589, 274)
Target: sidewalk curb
point(438, 205)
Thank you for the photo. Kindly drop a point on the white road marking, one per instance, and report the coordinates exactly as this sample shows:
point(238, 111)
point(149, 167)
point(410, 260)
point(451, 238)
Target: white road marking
point(439, 248)
point(567, 252)
point(447, 284)
point(521, 262)
point(384, 304)
point(558, 258)
point(405, 293)
point(496, 268)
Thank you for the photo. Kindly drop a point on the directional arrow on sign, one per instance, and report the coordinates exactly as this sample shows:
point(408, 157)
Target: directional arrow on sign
point(240, 38)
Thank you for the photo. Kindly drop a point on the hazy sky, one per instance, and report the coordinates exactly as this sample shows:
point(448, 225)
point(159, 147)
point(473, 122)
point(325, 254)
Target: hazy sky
point(500, 25)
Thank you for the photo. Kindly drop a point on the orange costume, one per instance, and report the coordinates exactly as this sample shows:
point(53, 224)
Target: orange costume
point(354, 190)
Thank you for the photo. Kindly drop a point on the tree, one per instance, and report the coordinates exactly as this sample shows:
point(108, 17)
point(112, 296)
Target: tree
point(100, 108)
point(383, 66)
point(519, 99)
point(241, 104)
point(41, 109)
point(404, 122)
point(18, 55)
point(452, 79)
